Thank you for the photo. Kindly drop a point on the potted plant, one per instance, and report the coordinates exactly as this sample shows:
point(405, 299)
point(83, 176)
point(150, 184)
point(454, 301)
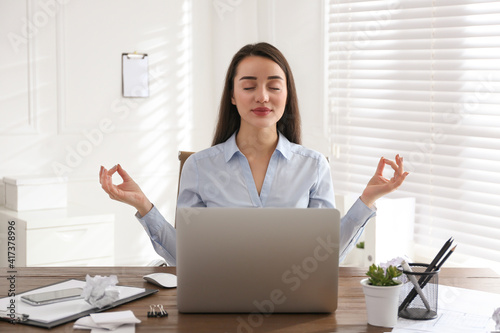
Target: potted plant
point(381, 290)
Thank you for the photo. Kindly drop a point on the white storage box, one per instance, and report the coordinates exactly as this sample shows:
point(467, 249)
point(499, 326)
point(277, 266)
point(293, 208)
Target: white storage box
point(31, 193)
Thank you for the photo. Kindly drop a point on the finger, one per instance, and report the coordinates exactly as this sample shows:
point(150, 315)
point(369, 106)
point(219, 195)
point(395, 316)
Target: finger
point(103, 180)
point(108, 177)
point(393, 165)
point(380, 167)
point(399, 181)
point(112, 170)
point(110, 188)
point(399, 161)
point(107, 183)
point(125, 176)
point(102, 175)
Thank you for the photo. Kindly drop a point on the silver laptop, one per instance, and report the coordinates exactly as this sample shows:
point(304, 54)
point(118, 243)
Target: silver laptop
point(265, 260)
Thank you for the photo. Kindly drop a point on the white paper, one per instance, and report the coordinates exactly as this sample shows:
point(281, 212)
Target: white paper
point(51, 312)
point(109, 321)
point(135, 76)
point(114, 318)
point(459, 311)
point(85, 323)
point(127, 328)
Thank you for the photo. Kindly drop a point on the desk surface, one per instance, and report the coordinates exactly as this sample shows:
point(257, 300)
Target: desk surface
point(349, 317)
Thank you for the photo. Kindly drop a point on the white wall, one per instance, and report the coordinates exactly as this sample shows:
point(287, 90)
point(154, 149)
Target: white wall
point(61, 110)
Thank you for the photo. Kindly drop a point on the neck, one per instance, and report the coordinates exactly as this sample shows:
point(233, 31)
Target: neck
point(257, 142)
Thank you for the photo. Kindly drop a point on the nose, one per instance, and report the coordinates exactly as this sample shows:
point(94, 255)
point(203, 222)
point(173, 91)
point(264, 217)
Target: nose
point(261, 96)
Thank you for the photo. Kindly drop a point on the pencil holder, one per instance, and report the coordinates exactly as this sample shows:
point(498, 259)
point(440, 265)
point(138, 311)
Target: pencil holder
point(419, 293)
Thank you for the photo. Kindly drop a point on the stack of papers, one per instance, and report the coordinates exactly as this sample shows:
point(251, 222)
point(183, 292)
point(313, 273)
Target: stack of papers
point(119, 322)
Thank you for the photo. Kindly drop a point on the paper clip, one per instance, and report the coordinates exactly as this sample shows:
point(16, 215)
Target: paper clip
point(152, 312)
point(160, 313)
point(163, 313)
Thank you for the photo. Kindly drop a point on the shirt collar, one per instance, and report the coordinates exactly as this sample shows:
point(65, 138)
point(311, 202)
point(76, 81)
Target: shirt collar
point(284, 147)
point(230, 147)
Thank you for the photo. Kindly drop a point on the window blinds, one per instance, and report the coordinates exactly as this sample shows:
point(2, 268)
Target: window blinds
point(422, 79)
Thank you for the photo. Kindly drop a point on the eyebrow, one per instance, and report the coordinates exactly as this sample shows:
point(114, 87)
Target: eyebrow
point(272, 77)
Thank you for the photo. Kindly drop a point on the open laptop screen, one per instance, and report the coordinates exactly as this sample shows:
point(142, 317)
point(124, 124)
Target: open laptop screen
point(264, 260)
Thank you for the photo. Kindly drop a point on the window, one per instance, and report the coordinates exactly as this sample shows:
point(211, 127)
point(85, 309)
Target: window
point(422, 78)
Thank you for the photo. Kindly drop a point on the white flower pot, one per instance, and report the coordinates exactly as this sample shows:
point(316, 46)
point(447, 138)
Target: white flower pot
point(381, 304)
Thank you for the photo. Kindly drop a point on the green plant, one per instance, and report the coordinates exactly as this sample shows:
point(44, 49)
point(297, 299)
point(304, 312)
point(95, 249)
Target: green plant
point(360, 245)
point(380, 277)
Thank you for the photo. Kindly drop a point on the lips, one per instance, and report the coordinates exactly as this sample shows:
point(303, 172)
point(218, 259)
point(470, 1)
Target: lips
point(261, 111)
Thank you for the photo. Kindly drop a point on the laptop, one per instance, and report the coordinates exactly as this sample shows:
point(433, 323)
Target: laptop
point(257, 260)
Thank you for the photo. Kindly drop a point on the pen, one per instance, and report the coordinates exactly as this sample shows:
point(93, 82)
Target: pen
point(427, 278)
point(422, 281)
point(446, 258)
point(413, 280)
point(440, 254)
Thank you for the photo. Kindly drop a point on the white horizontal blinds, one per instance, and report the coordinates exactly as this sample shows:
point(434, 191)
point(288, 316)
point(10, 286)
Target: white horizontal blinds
point(422, 78)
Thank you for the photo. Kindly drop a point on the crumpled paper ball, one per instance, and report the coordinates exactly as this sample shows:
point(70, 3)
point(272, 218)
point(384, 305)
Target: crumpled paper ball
point(496, 318)
point(395, 262)
point(100, 291)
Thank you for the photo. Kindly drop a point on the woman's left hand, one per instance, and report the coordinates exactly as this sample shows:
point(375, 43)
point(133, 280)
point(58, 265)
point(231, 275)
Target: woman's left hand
point(379, 186)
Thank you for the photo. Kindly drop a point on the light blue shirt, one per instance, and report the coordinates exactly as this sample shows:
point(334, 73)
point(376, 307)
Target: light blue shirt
point(220, 176)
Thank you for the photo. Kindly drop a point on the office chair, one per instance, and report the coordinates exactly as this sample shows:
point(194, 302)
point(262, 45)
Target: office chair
point(183, 155)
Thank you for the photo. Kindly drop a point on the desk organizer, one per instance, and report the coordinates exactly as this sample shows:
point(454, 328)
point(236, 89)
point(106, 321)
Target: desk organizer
point(419, 305)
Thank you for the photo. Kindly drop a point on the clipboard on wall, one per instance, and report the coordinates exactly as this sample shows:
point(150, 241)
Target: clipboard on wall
point(135, 77)
point(52, 315)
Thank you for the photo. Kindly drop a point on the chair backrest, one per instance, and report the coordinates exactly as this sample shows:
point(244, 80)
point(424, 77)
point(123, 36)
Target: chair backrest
point(183, 155)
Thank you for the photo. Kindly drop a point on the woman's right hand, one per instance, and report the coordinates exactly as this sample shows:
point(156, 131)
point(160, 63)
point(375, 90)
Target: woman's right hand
point(128, 191)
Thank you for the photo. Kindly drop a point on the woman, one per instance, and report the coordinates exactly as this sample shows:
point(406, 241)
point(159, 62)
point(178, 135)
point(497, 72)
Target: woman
point(256, 159)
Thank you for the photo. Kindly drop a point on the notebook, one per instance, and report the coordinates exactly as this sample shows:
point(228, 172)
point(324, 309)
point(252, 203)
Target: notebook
point(257, 260)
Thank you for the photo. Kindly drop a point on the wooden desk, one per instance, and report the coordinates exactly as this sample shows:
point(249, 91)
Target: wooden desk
point(349, 317)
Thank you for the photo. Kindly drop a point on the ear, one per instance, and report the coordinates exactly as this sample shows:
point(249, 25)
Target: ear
point(233, 101)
